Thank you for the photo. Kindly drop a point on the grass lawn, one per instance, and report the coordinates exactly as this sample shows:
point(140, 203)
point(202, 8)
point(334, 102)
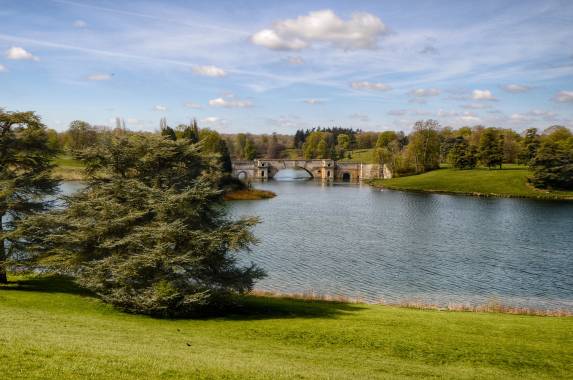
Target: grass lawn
point(68, 168)
point(51, 330)
point(511, 181)
point(248, 195)
point(365, 156)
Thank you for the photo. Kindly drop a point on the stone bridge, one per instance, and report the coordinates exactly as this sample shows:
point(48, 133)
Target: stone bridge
point(329, 170)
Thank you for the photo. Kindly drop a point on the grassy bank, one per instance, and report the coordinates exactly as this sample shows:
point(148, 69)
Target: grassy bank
point(68, 169)
point(248, 195)
point(49, 329)
point(508, 182)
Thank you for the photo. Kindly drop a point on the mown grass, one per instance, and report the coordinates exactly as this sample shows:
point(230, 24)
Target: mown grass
point(248, 195)
point(50, 329)
point(366, 156)
point(511, 181)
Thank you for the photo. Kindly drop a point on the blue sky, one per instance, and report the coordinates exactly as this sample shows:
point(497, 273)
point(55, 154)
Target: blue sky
point(262, 67)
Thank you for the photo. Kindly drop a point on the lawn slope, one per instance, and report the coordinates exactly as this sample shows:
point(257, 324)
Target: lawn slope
point(509, 182)
point(49, 329)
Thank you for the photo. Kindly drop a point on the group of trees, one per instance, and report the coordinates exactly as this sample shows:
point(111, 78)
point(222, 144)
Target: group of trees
point(148, 233)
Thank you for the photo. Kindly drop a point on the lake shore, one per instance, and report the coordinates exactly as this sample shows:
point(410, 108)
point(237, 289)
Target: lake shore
point(51, 329)
point(510, 182)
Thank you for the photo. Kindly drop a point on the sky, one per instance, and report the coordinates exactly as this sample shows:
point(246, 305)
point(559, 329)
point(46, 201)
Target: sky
point(278, 66)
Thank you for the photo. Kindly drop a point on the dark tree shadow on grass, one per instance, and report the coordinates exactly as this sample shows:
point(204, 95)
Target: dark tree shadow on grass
point(247, 307)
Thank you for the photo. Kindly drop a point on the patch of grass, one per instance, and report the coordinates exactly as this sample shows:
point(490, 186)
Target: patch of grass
point(52, 330)
point(68, 169)
point(365, 156)
point(511, 181)
point(248, 195)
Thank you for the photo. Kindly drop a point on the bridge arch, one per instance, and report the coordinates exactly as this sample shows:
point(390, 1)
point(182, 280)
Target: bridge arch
point(276, 172)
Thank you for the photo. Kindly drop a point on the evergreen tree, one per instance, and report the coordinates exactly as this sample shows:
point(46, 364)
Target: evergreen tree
point(25, 175)
point(462, 155)
point(530, 144)
point(491, 148)
point(553, 166)
point(191, 132)
point(149, 234)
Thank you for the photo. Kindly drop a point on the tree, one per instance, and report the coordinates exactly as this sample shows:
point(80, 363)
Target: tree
point(322, 149)
point(151, 238)
point(552, 167)
point(274, 148)
point(491, 148)
point(529, 146)
point(191, 132)
point(25, 175)
point(462, 155)
point(424, 145)
point(250, 152)
point(311, 144)
point(81, 135)
point(385, 138)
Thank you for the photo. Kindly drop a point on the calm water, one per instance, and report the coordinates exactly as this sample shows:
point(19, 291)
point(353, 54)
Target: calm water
point(357, 241)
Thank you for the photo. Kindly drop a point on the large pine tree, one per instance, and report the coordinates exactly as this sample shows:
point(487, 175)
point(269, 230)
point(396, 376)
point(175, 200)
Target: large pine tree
point(25, 175)
point(149, 234)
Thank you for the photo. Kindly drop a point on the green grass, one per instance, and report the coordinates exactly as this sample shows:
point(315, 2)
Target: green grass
point(365, 156)
point(509, 182)
point(68, 169)
point(52, 330)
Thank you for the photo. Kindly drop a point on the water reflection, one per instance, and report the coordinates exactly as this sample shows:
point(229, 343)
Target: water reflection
point(292, 175)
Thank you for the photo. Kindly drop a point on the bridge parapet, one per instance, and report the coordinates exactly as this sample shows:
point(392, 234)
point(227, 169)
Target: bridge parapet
point(330, 170)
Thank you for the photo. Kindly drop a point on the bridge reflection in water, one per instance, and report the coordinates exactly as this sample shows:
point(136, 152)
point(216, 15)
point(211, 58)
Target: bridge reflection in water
point(328, 170)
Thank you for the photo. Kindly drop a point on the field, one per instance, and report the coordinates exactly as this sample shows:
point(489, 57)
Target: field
point(68, 169)
point(248, 195)
point(511, 181)
point(50, 329)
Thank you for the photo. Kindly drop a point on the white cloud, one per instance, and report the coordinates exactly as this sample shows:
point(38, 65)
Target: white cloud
point(209, 71)
point(360, 117)
point(313, 102)
point(564, 96)
point(229, 101)
point(370, 86)
point(397, 112)
point(361, 31)
point(425, 92)
point(482, 95)
point(99, 77)
point(160, 108)
point(215, 121)
point(3, 68)
point(516, 88)
point(296, 60)
point(20, 54)
point(80, 24)
point(469, 117)
point(193, 105)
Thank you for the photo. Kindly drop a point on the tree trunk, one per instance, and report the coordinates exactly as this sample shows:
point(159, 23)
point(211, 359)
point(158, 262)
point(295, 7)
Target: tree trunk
point(3, 277)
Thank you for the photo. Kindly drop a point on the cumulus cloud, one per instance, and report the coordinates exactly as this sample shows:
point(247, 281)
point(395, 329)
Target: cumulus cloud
point(209, 71)
point(160, 108)
point(193, 105)
point(99, 77)
point(564, 96)
point(80, 24)
point(424, 92)
point(2, 68)
point(516, 88)
point(360, 117)
point(215, 121)
point(230, 103)
point(370, 86)
point(361, 31)
point(429, 50)
point(482, 95)
point(296, 60)
point(20, 54)
point(475, 106)
point(313, 102)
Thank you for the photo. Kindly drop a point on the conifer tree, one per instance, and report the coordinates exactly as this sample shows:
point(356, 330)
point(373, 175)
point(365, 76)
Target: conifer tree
point(25, 175)
point(491, 148)
point(149, 234)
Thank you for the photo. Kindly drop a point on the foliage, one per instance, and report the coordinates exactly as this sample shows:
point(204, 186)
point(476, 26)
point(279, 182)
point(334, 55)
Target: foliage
point(491, 148)
point(191, 132)
point(529, 144)
point(424, 146)
point(553, 166)
point(81, 135)
point(149, 234)
point(462, 155)
point(25, 175)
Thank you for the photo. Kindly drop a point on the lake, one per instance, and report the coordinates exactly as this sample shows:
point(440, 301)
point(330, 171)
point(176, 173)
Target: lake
point(360, 242)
